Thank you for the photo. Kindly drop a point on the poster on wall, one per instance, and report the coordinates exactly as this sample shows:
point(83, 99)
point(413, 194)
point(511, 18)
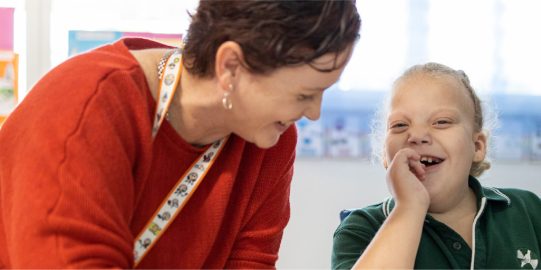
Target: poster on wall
point(8, 83)
point(343, 137)
point(6, 28)
point(81, 41)
point(310, 138)
point(536, 140)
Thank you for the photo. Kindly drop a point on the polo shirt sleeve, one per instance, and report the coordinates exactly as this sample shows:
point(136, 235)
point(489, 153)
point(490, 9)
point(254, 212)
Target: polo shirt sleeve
point(353, 236)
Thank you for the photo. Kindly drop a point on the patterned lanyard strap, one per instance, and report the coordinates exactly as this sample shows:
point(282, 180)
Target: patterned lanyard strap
point(190, 180)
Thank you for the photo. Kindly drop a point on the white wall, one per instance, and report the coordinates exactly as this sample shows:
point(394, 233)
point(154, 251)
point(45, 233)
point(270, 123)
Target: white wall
point(321, 188)
point(38, 44)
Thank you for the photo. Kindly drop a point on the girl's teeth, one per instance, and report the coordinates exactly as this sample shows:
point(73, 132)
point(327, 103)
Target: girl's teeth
point(429, 160)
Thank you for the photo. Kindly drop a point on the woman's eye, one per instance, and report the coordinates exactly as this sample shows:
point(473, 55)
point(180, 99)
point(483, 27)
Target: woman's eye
point(304, 97)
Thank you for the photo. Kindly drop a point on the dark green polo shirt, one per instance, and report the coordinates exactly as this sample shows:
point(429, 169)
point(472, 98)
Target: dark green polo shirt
point(507, 234)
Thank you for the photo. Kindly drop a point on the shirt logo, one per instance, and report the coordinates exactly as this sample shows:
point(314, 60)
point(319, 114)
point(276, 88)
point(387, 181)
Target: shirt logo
point(526, 258)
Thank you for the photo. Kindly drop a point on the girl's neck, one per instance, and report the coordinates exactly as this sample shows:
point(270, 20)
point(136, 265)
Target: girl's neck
point(461, 216)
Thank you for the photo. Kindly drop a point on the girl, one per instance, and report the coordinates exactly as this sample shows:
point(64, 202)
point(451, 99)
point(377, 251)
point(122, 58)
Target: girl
point(439, 215)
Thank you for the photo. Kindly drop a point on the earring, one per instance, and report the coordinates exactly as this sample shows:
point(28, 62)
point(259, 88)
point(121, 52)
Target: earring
point(226, 100)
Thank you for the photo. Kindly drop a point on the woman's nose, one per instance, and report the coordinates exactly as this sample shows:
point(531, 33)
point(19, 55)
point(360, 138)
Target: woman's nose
point(313, 112)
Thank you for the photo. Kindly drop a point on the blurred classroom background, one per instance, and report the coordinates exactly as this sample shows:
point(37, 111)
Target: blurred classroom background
point(493, 41)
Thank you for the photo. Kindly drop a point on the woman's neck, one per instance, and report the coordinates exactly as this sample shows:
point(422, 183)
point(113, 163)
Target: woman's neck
point(195, 112)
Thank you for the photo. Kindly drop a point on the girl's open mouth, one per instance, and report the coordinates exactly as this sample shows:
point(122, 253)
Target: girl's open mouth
point(429, 161)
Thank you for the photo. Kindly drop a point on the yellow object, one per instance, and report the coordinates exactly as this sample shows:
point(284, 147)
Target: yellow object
point(9, 66)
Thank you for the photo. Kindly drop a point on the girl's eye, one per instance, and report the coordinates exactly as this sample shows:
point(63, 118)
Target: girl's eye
point(442, 123)
point(398, 127)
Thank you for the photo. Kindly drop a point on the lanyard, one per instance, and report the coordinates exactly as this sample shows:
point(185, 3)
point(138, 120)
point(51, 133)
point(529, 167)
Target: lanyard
point(188, 182)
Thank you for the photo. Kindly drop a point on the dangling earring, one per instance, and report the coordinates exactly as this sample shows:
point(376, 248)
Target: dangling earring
point(226, 100)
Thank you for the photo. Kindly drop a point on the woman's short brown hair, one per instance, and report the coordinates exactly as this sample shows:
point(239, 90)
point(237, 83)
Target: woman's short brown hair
point(271, 34)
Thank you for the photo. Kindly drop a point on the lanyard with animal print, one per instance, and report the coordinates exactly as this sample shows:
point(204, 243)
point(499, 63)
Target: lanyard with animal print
point(189, 181)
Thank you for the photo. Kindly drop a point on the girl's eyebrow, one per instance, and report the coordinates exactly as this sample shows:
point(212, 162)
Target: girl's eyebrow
point(446, 110)
point(396, 114)
point(392, 117)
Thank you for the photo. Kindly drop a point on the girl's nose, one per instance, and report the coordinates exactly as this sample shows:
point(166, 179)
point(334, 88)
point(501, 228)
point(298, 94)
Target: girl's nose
point(419, 136)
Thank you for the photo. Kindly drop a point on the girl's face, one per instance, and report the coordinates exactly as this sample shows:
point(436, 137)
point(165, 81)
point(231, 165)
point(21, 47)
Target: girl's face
point(265, 106)
point(434, 116)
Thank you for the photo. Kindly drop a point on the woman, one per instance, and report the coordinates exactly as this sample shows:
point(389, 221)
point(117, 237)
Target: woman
point(140, 155)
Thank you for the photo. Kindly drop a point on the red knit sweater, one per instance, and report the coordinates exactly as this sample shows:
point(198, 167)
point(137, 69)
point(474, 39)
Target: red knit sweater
point(80, 177)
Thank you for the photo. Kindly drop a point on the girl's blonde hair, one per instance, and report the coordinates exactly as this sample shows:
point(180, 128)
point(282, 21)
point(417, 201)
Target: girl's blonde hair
point(432, 69)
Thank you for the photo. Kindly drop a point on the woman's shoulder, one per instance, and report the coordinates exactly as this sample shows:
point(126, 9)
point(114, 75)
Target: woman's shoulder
point(95, 88)
point(84, 76)
point(97, 63)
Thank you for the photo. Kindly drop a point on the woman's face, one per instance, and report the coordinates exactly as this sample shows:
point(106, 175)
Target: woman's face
point(265, 106)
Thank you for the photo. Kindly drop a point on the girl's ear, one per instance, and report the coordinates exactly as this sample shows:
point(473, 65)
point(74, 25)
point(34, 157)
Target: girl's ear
point(228, 62)
point(480, 143)
point(384, 159)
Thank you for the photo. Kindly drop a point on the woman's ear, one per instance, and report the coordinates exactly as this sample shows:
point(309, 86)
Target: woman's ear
point(480, 143)
point(228, 62)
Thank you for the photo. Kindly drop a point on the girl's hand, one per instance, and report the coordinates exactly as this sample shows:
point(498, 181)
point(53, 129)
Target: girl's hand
point(405, 176)
point(401, 231)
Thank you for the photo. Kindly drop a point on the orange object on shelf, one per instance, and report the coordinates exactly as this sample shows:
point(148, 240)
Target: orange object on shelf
point(9, 66)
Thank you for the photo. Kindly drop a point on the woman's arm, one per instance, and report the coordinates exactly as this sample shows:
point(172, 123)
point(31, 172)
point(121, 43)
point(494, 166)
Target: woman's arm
point(67, 178)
